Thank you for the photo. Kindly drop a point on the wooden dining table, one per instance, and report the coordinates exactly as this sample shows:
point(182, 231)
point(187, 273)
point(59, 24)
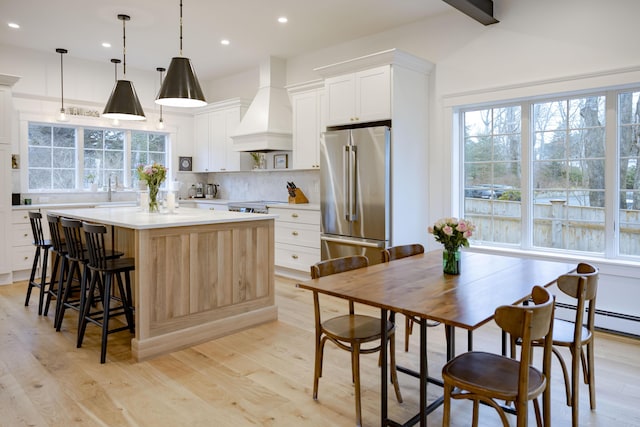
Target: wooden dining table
point(417, 287)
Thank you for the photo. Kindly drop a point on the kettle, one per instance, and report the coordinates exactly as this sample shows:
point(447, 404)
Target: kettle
point(212, 191)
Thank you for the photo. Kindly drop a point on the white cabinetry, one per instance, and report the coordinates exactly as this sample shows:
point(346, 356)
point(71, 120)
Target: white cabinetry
point(363, 96)
point(22, 249)
point(6, 114)
point(390, 85)
point(308, 104)
point(213, 147)
point(297, 238)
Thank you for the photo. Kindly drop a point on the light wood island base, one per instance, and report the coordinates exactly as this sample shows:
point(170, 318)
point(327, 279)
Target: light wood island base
point(198, 281)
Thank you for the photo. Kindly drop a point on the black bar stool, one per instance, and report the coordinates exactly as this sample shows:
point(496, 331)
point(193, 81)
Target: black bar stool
point(103, 271)
point(71, 295)
point(74, 293)
point(59, 250)
point(42, 248)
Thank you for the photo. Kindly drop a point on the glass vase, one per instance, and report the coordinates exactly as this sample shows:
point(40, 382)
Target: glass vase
point(451, 261)
point(153, 199)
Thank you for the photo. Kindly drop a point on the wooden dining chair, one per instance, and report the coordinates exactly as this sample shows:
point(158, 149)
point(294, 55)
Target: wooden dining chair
point(350, 331)
point(576, 335)
point(399, 252)
point(489, 378)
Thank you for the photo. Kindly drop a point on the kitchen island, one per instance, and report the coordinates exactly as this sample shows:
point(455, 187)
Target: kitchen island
point(199, 274)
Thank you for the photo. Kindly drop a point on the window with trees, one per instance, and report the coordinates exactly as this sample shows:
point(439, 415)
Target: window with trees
point(71, 158)
point(537, 173)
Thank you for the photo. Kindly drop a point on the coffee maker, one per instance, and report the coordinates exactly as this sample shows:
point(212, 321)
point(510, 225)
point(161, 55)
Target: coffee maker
point(199, 190)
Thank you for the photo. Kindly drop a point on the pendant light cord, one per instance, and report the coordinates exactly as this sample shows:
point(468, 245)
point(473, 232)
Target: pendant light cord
point(124, 18)
point(180, 27)
point(61, 83)
point(61, 52)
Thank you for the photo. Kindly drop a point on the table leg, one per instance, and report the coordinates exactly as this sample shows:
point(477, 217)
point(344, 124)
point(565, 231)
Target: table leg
point(424, 373)
point(383, 368)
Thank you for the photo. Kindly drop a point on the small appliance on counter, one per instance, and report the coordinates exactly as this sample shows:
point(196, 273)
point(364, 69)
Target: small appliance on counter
point(212, 191)
point(15, 199)
point(199, 190)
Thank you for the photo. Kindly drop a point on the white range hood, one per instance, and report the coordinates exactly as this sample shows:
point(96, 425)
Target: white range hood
point(266, 126)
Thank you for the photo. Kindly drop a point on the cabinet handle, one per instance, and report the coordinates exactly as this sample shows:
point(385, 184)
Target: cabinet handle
point(294, 256)
point(295, 233)
point(26, 258)
point(24, 217)
point(294, 215)
point(26, 234)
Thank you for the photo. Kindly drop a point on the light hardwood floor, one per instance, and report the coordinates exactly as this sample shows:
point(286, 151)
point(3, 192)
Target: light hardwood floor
point(258, 377)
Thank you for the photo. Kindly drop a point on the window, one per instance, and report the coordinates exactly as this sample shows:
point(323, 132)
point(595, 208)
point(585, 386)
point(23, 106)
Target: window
point(70, 158)
point(52, 157)
point(629, 182)
point(536, 173)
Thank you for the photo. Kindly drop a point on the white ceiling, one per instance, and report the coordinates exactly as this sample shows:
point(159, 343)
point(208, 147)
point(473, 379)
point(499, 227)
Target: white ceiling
point(81, 26)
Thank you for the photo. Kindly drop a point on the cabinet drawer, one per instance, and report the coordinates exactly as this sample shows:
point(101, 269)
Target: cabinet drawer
point(21, 235)
point(297, 216)
point(20, 217)
point(22, 258)
point(296, 257)
point(298, 234)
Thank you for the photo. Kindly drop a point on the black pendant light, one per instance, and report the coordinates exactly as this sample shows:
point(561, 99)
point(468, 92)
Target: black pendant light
point(62, 117)
point(181, 88)
point(160, 124)
point(123, 103)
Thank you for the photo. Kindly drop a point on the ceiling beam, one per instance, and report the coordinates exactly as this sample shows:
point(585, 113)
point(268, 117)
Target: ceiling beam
point(480, 10)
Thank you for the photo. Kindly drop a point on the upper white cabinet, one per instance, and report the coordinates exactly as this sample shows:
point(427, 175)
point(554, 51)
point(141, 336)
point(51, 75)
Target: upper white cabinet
point(363, 96)
point(213, 148)
point(308, 104)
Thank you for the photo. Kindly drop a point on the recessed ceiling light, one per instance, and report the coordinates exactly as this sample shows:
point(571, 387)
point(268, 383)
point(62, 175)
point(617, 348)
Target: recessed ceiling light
point(283, 20)
point(13, 25)
point(225, 42)
point(106, 44)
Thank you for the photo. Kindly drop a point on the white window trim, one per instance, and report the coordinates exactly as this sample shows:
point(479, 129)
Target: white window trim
point(608, 82)
point(81, 122)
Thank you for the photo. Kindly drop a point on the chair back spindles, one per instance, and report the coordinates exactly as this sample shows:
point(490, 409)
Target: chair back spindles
point(94, 235)
point(402, 251)
point(35, 219)
point(56, 234)
point(73, 236)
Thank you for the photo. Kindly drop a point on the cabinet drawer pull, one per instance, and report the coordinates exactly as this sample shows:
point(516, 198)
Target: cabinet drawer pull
point(26, 258)
point(294, 215)
point(25, 217)
point(295, 233)
point(26, 234)
point(294, 256)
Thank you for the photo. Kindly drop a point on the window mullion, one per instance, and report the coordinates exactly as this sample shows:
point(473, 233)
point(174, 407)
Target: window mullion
point(612, 177)
point(526, 191)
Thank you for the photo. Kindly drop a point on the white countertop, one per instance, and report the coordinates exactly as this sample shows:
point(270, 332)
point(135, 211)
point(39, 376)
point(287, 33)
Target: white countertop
point(132, 217)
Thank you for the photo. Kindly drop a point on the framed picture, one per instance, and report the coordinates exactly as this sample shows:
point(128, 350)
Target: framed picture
point(280, 161)
point(184, 164)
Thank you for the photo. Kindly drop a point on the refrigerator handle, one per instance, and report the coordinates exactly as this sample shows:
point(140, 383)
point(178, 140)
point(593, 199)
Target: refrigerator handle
point(345, 181)
point(352, 183)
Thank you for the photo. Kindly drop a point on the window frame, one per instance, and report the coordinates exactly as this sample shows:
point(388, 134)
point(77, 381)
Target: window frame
point(610, 85)
point(80, 123)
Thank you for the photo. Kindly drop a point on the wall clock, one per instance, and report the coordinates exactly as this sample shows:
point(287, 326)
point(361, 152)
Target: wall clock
point(184, 164)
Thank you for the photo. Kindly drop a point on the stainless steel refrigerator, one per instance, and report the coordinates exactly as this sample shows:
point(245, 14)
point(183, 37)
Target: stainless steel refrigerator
point(354, 191)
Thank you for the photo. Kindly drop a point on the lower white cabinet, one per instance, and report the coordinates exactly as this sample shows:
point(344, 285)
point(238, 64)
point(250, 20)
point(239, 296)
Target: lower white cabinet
point(297, 238)
point(22, 249)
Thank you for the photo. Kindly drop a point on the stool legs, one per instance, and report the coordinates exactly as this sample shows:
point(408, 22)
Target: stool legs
point(59, 262)
point(43, 277)
point(101, 318)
